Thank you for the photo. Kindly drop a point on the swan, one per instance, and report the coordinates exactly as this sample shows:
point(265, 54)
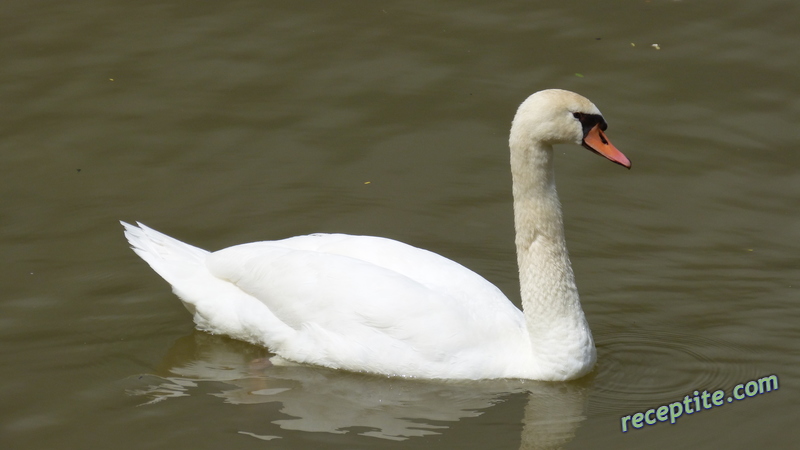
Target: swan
point(376, 305)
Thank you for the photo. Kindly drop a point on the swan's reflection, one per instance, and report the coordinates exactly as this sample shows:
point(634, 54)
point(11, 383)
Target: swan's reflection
point(332, 401)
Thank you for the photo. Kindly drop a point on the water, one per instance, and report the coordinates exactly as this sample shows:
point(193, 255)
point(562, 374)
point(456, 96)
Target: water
point(227, 123)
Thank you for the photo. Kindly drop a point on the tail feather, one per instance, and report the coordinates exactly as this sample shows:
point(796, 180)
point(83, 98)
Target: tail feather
point(174, 260)
point(216, 305)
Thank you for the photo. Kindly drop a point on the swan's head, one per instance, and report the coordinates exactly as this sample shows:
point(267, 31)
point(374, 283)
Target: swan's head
point(556, 116)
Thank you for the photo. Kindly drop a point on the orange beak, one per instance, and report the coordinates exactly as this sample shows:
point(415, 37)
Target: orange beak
point(596, 141)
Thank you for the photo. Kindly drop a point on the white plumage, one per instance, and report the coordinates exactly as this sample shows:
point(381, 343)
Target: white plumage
point(377, 305)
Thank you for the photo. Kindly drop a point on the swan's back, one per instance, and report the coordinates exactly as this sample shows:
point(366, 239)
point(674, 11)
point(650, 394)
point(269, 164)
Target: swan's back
point(353, 302)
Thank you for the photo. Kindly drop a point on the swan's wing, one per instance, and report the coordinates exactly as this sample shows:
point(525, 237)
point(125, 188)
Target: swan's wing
point(363, 302)
point(427, 268)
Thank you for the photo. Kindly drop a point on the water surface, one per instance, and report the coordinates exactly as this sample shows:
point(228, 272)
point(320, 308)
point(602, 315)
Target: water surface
point(227, 123)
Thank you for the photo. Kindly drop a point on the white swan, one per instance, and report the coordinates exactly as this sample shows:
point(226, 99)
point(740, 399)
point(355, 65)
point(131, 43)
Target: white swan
point(377, 305)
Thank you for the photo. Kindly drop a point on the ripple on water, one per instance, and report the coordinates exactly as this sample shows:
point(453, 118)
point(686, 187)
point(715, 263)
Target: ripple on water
point(657, 367)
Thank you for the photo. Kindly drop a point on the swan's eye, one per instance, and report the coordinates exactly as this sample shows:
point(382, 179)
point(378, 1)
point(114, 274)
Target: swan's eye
point(588, 121)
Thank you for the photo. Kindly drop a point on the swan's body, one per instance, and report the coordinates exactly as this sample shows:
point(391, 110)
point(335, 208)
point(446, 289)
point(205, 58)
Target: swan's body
point(376, 305)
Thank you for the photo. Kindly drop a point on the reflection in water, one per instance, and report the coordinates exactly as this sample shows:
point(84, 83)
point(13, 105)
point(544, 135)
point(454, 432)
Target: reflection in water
point(323, 400)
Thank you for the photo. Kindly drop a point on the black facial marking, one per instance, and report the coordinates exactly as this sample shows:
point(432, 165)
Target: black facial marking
point(588, 121)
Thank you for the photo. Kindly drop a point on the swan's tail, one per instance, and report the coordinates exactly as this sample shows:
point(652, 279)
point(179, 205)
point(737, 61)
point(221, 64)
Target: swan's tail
point(177, 262)
point(216, 304)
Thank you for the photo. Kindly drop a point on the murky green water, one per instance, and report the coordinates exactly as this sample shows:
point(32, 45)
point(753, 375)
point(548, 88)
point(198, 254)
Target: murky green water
point(222, 123)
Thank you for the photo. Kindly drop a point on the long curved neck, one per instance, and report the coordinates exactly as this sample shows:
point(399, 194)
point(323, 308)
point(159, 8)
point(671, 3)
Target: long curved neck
point(556, 323)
